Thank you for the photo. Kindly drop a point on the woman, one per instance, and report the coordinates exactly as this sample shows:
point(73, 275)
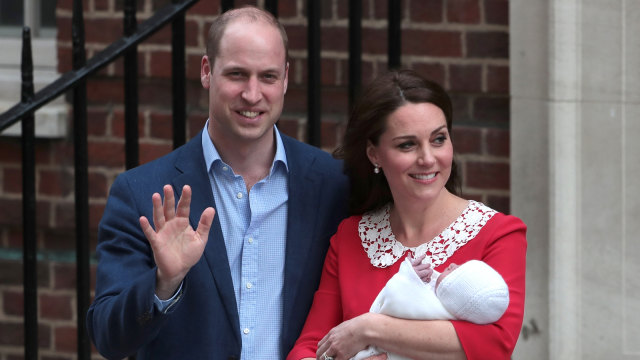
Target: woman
point(399, 157)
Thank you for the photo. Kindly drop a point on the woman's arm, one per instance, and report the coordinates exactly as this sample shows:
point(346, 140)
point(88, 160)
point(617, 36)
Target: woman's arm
point(416, 339)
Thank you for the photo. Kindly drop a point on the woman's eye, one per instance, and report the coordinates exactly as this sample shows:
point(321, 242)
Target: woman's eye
point(440, 139)
point(405, 145)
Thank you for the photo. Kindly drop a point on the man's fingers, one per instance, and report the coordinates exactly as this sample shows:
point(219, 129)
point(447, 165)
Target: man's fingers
point(205, 223)
point(148, 231)
point(185, 202)
point(169, 203)
point(158, 213)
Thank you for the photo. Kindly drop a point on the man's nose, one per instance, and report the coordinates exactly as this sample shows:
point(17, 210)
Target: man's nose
point(252, 92)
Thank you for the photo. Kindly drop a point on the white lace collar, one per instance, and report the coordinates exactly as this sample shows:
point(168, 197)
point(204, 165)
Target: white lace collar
point(381, 246)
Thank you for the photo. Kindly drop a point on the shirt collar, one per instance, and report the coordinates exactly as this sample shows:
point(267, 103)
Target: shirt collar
point(211, 154)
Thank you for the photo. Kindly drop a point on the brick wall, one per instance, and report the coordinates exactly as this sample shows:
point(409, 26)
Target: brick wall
point(462, 44)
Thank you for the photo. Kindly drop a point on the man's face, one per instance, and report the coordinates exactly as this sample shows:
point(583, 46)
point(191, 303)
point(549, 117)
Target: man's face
point(246, 83)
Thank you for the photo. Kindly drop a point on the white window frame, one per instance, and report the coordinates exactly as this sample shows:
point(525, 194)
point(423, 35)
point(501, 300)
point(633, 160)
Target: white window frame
point(50, 120)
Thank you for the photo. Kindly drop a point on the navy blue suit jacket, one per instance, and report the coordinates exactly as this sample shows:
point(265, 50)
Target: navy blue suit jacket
point(204, 322)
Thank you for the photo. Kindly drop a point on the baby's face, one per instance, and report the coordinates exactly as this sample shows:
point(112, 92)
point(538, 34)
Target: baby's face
point(446, 272)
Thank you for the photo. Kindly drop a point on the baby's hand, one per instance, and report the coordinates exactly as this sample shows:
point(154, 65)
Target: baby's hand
point(424, 271)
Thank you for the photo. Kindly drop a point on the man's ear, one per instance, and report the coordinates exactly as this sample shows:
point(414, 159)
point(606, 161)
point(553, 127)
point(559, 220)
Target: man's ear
point(205, 72)
point(286, 77)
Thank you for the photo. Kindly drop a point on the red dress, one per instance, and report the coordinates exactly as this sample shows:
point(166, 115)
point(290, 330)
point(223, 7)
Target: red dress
point(350, 281)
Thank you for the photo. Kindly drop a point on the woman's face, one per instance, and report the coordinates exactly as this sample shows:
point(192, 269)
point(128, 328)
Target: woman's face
point(414, 152)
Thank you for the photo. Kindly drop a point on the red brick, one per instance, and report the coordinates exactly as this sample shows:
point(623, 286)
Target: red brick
point(97, 121)
point(103, 31)
point(463, 11)
point(195, 123)
point(119, 6)
point(461, 108)
point(150, 152)
point(193, 63)
point(156, 92)
point(491, 109)
point(118, 125)
point(104, 90)
point(11, 273)
point(55, 183)
point(288, 126)
point(490, 44)
point(467, 140)
point(64, 276)
point(65, 338)
point(159, 4)
point(486, 175)
point(335, 39)
point(55, 307)
point(297, 35)
point(12, 180)
point(429, 11)
point(11, 212)
point(11, 334)
point(161, 37)
point(328, 72)
point(65, 62)
point(432, 43)
point(101, 5)
point(334, 100)
point(192, 32)
point(95, 214)
point(14, 236)
point(106, 153)
point(380, 9)
point(498, 142)
point(374, 41)
point(288, 8)
point(13, 303)
point(160, 65)
point(498, 79)
point(465, 78)
point(118, 68)
point(161, 126)
point(10, 151)
point(328, 134)
point(433, 72)
point(209, 7)
point(496, 12)
point(97, 185)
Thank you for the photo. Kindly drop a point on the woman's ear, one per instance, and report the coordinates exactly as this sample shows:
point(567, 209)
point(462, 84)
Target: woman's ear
point(372, 153)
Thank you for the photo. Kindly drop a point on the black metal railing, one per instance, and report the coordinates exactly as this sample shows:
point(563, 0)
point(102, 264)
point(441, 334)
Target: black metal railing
point(126, 46)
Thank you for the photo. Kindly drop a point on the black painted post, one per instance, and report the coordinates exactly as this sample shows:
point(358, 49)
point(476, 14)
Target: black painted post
point(81, 181)
point(313, 73)
point(395, 34)
point(131, 89)
point(272, 7)
point(30, 263)
point(355, 51)
point(178, 80)
point(226, 5)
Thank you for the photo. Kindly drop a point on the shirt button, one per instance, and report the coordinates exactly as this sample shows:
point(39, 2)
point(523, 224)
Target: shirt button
point(224, 168)
point(249, 285)
point(250, 240)
point(239, 195)
point(246, 330)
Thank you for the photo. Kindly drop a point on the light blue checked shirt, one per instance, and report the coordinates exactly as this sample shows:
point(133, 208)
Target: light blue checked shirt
point(254, 227)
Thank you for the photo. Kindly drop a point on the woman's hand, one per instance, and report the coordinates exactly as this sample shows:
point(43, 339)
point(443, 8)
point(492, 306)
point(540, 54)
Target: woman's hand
point(345, 340)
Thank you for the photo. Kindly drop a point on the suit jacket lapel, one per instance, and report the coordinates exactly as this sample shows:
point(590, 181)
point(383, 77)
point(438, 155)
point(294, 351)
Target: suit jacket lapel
point(194, 173)
point(303, 200)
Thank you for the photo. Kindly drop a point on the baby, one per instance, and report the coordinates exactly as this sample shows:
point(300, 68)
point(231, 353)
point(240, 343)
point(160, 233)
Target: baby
point(473, 292)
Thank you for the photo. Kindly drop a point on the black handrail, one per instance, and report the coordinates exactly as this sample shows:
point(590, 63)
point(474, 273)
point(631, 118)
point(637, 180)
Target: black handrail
point(103, 58)
point(313, 73)
point(132, 149)
point(178, 80)
point(394, 48)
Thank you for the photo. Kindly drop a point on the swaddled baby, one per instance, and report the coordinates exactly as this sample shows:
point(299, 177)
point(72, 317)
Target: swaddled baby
point(473, 292)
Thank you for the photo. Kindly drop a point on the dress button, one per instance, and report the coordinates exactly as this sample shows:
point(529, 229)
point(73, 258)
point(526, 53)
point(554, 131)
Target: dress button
point(239, 195)
point(249, 285)
point(246, 330)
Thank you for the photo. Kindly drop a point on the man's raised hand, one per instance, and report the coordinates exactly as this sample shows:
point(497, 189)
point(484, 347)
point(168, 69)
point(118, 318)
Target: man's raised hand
point(176, 246)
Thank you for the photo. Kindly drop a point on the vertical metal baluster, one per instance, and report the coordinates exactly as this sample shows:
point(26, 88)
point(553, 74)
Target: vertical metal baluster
point(30, 263)
point(226, 5)
point(355, 51)
point(178, 78)
point(272, 7)
point(131, 89)
point(395, 34)
point(314, 117)
point(81, 180)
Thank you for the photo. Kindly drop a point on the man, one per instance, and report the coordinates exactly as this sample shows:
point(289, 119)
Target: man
point(263, 208)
